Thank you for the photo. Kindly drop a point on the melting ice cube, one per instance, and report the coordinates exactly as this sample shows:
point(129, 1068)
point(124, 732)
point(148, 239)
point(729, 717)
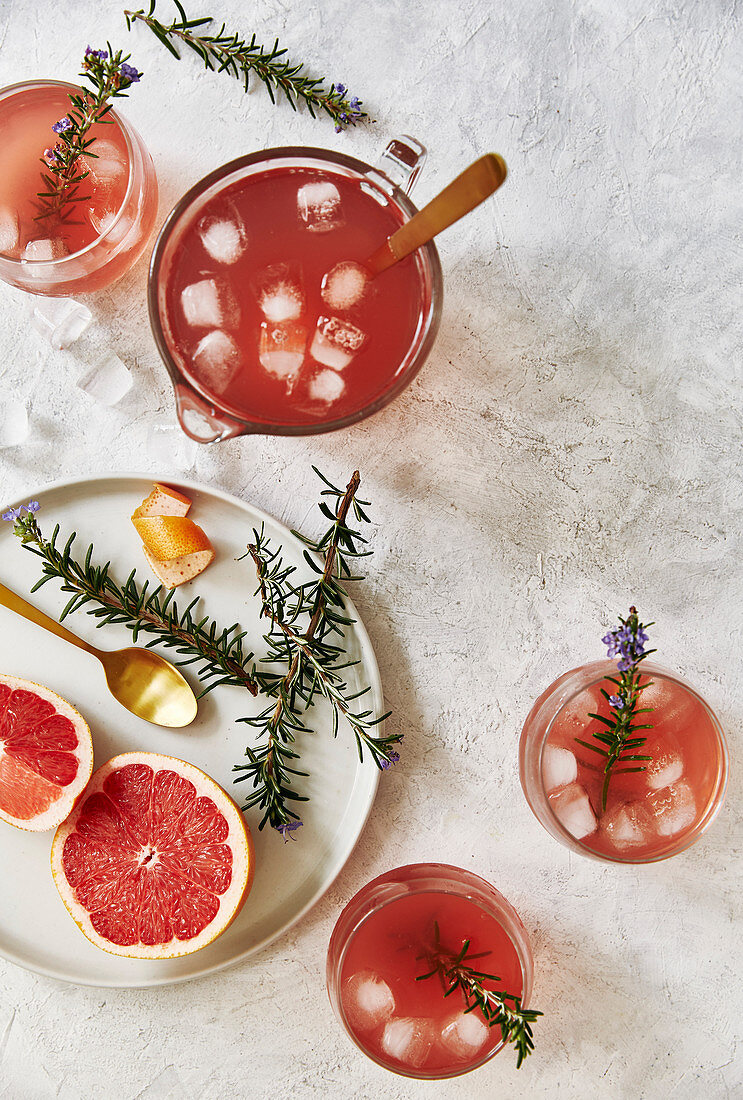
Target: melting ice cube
point(281, 349)
point(465, 1034)
point(326, 386)
point(223, 238)
point(559, 767)
point(673, 706)
point(336, 342)
point(44, 249)
point(168, 447)
point(673, 808)
point(665, 767)
point(215, 360)
point(108, 380)
point(319, 206)
point(344, 285)
point(279, 292)
point(408, 1040)
point(104, 169)
point(628, 825)
point(572, 808)
point(104, 221)
point(210, 304)
point(367, 1000)
point(9, 230)
point(60, 320)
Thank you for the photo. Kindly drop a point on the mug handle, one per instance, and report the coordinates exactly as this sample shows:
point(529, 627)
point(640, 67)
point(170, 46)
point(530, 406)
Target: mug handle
point(402, 161)
point(200, 421)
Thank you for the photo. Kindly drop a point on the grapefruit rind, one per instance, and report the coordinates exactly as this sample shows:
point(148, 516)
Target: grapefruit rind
point(61, 806)
point(179, 570)
point(163, 501)
point(168, 537)
point(238, 839)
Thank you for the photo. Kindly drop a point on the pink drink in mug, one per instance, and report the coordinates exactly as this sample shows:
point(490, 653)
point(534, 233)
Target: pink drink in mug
point(255, 336)
point(106, 233)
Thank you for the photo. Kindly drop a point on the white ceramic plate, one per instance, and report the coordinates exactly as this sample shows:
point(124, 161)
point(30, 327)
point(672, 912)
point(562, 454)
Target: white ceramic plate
point(35, 928)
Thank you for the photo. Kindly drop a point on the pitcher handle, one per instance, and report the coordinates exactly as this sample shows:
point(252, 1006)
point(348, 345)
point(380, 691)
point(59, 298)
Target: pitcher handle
point(200, 421)
point(402, 161)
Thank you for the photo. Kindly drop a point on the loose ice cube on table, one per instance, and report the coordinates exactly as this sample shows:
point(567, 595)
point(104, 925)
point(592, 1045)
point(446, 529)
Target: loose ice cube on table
point(108, 381)
point(344, 285)
point(9, 230)
point(224, 238)
point(628, 825)
point(326, 386)
point(279, 293)
point(282, 346)
point(336, 342)
point(319, 206)
point(367, 1000)
point(408, 1040)
point(209, 304)
point(465, 1034)
point(215, 360)
point(572, 808)
point(60, 320)
point(673, 808)
point(170, 448)
point(559, 767)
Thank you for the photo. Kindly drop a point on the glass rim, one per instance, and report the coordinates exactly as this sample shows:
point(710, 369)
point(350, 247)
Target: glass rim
point(430, 321)
point(443, 879)
point(717, 796)
point(59, 263)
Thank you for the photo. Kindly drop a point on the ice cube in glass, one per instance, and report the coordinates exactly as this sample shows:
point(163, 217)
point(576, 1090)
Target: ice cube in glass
point(9, 231)
point(319, 206)
point(465, 1034)
point(572, 808)
point(367, 1000)
point(107, 381)
point(628, 825)
point(408, 1040)
point(559, 767)
point(282, 347)
point(673, 808)
point(336, 342)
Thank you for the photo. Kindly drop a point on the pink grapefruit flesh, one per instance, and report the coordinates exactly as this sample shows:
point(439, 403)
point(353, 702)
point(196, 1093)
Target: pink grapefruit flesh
point(46, 755)
point(156, 860)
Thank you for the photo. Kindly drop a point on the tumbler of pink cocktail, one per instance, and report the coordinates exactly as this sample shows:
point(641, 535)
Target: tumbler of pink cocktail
point(381, 954)
point(106, 233)
point(654, 806)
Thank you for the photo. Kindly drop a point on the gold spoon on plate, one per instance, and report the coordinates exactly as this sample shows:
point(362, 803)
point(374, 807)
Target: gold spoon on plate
point(142, 681)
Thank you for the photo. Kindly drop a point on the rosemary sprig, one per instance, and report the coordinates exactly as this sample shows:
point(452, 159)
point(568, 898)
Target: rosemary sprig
point(620, 739)
point(225, 52)
point(110, 76)
point(455, 972)
point(217, 653)
point(306, 640)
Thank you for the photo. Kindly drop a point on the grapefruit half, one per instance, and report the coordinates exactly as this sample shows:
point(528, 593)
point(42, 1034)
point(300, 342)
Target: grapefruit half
point(46, 755)
point(155, 861)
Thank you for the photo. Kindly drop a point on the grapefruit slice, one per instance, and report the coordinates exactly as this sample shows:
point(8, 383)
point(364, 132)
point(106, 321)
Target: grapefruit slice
point(163, 501)
point(179, 570)
point(155, 861)
point(46, 755)
point(168, 537)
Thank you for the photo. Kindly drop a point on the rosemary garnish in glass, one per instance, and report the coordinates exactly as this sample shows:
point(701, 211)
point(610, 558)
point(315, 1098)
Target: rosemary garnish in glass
point(225, 52)
point(306, 641)
point(455, 972)
point(620, 739)
point(111, 76)
point(216, 653)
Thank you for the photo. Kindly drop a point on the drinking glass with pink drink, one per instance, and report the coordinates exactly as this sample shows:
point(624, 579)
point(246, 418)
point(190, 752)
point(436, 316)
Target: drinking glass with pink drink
point(390, 964)
point(663, 789)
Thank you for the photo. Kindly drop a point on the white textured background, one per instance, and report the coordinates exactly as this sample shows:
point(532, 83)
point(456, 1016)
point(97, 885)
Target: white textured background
point(573, 444)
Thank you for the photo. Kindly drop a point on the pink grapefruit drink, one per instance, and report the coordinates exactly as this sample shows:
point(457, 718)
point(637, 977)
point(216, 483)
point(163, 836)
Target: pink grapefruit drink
point(104, 234)
point(650, 813)
point(379, 948)
point(261, 302)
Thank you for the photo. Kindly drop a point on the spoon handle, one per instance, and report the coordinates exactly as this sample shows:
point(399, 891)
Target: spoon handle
point(16, 603)
point(463, 194)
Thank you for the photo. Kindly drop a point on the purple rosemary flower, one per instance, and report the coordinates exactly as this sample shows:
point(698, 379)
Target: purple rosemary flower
point(355, 103)
point(130, 73)
point(287, 828)
point(101, 55)
point(338, 128)
point(340, 89)
point(12, 514)
point(616, 701)
point(392, 758)
point(32, 506)
point(63, 125)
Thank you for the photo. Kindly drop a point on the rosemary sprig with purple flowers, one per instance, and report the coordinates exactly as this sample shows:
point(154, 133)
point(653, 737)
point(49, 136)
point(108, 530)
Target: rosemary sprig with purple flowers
point(622, 738)
point(455, 972)
point(225, 52)
point(217, 653)
point(306, 640)
point(110, 76)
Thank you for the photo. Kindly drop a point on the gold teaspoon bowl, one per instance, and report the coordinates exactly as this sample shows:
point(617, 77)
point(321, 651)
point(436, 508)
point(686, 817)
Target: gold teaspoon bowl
point(142, 681)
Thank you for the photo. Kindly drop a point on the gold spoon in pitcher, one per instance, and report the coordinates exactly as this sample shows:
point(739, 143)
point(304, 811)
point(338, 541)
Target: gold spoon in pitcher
point(344, 285)
point(142, 681)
